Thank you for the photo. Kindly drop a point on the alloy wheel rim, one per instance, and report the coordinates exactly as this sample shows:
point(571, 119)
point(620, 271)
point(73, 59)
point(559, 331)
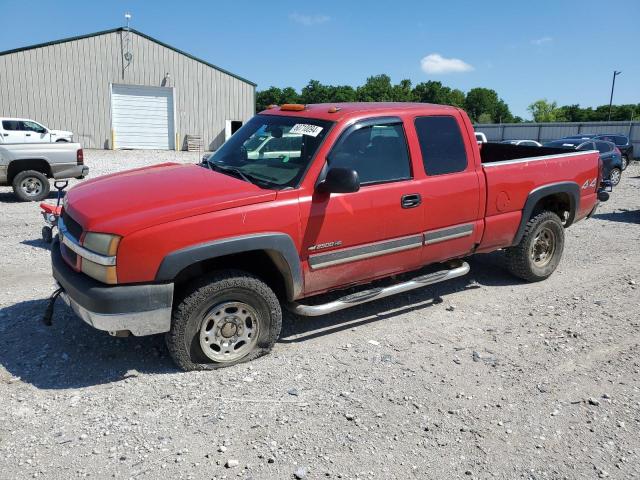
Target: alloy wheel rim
point(543, 247)
point(615, 177)
point(32, 186)
point(229, 331)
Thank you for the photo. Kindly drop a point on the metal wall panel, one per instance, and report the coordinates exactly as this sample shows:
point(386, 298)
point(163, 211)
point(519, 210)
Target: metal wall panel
point(66, 86)
point(544, 132)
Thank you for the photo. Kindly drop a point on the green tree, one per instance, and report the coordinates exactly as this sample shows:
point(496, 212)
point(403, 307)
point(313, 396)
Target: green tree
point(402, 92)
point(544, 111)
point(485, 118)
point(342, 93)
point(435, 92)
point(315, 92)
point(376, 89)
point(275, 96)
point(486, 100)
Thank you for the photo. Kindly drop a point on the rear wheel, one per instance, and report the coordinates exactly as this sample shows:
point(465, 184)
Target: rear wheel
point(224, 319)
point(625, 162)
point(615, 175)
point(31, 186)
point(539, 252)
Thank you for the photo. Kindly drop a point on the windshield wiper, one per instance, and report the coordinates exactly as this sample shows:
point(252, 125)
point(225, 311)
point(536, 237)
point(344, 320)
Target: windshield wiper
point(237, 172)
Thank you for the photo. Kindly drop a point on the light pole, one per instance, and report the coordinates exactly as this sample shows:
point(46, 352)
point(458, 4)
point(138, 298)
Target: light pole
point(613, 85)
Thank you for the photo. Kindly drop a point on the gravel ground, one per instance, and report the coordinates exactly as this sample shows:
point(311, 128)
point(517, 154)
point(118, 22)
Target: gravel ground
point(481, 377)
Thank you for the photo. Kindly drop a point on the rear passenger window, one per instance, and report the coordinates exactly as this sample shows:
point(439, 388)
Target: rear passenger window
point(378, 153)
point(11, 125)
point(620, 140)
point(441, 145)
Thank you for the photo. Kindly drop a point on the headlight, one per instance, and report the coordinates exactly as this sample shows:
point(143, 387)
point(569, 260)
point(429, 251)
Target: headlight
point(102, 244)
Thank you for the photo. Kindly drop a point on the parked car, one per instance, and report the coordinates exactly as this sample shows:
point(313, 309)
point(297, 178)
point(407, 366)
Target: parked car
point(621, 141)
point(23, 130)
point(523, 143)
point(210, 257)
point(623, 144)
point(480, 137)
point(610, 155)
point(28, 168)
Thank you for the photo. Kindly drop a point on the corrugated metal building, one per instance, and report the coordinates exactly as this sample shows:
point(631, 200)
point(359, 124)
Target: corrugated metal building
point(121, 88)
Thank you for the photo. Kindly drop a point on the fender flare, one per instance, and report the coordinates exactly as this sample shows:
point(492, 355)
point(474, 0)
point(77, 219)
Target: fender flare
point(279, 247)
point(570, 188)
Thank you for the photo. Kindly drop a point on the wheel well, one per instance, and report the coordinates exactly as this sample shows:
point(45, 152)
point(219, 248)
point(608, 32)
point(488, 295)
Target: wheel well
point(261, 263)
point(18, 166)
point(558, 203)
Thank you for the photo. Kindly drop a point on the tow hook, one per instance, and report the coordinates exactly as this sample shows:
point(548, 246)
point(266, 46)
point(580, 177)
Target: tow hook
point(48, 313)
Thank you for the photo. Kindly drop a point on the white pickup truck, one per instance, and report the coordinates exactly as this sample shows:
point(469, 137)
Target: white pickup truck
point(27, 167)
point(25, 130)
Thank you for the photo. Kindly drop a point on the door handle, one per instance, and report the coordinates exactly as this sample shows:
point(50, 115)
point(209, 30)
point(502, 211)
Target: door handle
point(27, 134)
point(410, 200)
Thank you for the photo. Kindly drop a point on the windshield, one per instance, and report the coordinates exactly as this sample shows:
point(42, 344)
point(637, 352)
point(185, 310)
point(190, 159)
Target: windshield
point(272, 151)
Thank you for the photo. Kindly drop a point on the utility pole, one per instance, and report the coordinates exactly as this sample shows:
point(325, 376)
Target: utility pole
point(613, 85)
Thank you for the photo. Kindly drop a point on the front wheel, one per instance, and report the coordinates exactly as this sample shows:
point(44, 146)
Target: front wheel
point(224, 319)
point(615, 175)
point(539, 252)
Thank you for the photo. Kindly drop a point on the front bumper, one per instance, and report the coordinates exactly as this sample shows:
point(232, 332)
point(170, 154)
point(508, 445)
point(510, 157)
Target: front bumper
point(62, 171)
point(142, 309)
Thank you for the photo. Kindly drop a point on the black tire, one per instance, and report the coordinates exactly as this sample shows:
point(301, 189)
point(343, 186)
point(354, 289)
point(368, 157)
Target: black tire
point(615, 175)
point(521, 259)
point(47, 234)
point(206, 295)
point(62, 140)
point(31, 186)
point(625, 162)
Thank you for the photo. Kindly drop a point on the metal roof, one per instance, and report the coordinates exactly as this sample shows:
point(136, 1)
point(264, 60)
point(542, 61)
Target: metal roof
point(122, 29)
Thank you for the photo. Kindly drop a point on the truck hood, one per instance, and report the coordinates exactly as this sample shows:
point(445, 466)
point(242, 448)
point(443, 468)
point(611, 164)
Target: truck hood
point(125, 202)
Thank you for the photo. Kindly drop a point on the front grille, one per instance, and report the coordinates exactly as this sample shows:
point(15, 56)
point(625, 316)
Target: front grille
point(73, 227)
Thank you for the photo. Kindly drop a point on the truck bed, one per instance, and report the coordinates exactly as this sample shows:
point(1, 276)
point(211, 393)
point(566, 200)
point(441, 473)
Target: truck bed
point(513, 172)
point(505, 152)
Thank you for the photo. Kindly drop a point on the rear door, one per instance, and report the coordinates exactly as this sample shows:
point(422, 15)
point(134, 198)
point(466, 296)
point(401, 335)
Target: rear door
point(451, 190)
point(375, 232)
point(14, 131)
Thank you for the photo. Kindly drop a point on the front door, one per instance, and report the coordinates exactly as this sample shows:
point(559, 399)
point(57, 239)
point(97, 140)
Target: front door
point(36, 133)
point(375, 232)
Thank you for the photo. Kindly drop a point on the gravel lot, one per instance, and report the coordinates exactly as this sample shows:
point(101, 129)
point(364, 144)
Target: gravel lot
point(482, 377)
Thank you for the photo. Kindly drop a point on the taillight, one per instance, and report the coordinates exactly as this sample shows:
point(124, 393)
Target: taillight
point(80, 157)
point(600, 171)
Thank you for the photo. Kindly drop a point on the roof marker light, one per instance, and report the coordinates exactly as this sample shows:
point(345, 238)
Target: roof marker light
point(292, 107)
point(334, 109)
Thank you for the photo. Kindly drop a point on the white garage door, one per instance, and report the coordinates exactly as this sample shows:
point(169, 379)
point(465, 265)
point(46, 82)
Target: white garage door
point(142, 117)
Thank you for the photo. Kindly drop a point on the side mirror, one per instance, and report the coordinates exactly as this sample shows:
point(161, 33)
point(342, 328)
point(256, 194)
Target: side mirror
point(340, 180)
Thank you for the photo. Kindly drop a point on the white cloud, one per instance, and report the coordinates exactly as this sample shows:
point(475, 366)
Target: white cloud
point(436, 63)
point(308, 20)
point(539, 42)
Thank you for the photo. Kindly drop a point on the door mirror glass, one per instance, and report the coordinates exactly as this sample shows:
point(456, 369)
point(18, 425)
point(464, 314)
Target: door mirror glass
point(340, 180)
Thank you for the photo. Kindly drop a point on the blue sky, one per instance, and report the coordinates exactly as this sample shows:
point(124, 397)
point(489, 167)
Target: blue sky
point(559, 50)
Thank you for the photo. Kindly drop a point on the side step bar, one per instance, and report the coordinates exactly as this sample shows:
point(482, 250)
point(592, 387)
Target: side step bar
point(377, 293)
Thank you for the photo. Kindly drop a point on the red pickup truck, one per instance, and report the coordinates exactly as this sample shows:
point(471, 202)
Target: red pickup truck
point(303, 200)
